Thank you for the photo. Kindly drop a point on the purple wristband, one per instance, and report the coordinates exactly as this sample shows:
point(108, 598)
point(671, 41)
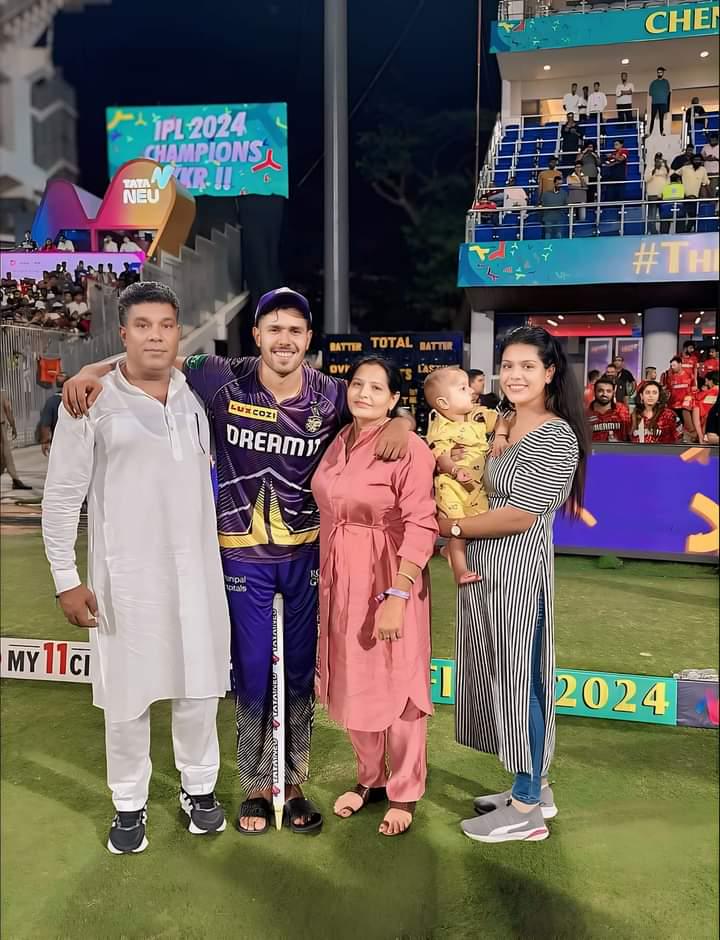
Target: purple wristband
point(393, 592)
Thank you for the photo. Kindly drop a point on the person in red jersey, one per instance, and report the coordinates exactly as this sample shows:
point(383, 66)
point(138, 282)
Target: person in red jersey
point(690, 358)
point(652, 421)
point(710, 363)
point(679, 383)
point(609, 420)
point(705, 398)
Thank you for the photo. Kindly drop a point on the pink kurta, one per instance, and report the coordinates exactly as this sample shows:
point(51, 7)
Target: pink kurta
point(372, 515)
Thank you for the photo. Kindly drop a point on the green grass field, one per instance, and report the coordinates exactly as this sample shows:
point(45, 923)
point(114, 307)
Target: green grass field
point(633, 852)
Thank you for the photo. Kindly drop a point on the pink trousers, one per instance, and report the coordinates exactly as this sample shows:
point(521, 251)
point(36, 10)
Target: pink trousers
point(395, 758)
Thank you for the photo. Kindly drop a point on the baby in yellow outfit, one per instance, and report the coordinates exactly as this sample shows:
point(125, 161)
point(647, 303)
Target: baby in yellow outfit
point(457, 422)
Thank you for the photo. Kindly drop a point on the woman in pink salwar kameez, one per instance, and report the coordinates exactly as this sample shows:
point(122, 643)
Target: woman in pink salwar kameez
point(377, 533)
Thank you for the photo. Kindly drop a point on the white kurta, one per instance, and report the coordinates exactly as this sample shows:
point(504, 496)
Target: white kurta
point(153, 559)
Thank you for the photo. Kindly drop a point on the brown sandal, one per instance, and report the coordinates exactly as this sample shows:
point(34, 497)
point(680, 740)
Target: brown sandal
point(367, 795)
point(406, 808)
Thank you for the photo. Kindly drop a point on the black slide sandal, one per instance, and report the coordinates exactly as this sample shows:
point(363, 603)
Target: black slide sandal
point(256, 807)
point(300, 806)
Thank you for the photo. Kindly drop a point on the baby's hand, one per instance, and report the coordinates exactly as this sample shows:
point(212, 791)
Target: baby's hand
point(500, 445)
point(464, 476)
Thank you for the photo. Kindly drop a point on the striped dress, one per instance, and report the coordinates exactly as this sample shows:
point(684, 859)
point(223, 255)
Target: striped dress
point(496, 616)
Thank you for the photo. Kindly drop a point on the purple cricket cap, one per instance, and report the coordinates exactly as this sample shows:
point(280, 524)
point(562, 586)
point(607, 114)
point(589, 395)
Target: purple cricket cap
point(283, 298)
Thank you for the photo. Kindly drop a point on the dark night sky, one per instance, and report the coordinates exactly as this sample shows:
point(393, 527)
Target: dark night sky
point(180, 52)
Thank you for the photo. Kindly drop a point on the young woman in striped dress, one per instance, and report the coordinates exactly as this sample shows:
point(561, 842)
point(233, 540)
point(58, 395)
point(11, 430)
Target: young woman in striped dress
point(505, 647)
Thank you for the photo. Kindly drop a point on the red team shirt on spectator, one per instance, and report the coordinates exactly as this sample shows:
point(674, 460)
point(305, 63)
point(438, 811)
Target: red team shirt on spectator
point(680, 387)
point(612, 425)
point(710, 365)
point(666, 431)
point(703, 402)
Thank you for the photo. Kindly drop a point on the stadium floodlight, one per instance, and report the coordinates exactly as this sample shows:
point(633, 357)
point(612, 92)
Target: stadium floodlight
point(623, 321)
point(624, 61)
point(697, 320)
point(704, 54)
point(552, 322)
point(546, 68)
point(600, 317)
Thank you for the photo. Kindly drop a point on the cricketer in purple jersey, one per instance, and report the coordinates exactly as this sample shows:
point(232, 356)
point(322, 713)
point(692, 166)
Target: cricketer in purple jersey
point(266, 454)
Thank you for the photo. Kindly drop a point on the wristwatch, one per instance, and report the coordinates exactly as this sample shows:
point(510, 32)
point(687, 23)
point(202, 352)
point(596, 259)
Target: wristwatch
point(455, 530)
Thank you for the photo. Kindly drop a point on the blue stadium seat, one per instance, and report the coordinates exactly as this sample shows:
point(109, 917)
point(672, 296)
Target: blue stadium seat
point(547, 132)
point(549, 148)
point(633, 220)
point(533, 121)
point(525, 177)
point(511, 133)
point(527, 162)
point(609, 221)
point(507, 232)
point(528, 146)
point(507, 149)
point(503, 163)
point(633, 190)
point(713, 120)
point(583, 229)
point(483, 233)
point(707, 225)
point(533, 231)
point(501, 177)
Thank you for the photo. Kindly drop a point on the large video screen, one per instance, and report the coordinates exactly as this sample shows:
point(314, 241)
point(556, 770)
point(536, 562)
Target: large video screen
point(647, 501)
point(215, 149)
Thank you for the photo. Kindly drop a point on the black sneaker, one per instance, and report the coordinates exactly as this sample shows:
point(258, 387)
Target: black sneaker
point(206, 814)
point(19, 485)
point(127, 833)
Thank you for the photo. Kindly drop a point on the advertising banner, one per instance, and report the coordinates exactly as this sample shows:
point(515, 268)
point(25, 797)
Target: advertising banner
point(673, 514)
point(53, 660)
point(566, 30)
point(598, 353)
point(631, 259)
point(213, 149)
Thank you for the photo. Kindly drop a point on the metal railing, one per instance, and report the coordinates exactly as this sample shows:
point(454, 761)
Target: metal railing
point(583, 219)
point(528, 9)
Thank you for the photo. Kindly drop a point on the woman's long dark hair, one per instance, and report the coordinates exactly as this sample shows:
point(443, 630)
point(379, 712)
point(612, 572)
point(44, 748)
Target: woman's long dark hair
point(638, 413)
point(393, 374)
point(563, 396)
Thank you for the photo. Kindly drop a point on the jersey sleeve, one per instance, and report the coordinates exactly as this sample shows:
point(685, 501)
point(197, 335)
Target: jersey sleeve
point(546, 466)
point(206, 375)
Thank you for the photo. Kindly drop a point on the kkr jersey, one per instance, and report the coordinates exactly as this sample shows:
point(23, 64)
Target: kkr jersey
point(266, 454)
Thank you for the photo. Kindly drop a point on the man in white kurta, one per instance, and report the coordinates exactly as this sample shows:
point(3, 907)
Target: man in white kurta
point(162, 627)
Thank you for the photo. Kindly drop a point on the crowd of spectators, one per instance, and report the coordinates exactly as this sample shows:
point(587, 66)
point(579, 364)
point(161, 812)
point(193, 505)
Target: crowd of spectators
point(59, 300)
point(111, 242)
point(679, 407)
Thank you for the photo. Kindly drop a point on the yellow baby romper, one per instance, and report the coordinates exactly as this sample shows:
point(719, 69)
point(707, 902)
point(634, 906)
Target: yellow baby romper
point(457, 500)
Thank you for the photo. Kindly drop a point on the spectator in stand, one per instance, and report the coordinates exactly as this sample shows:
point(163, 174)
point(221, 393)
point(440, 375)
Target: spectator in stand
point(712, 426)
point(624, 379)
point(597, 103)
point(710, 363)
point(547, 178)
point(674, 192)
point(696, 182)
point(652, 421)
point(656, 178)
point(77, 308)
point(515, 196)
point(624, 98)
point(589, 393)
point(48, 245)
point(476, 379)
point(679, 383)
point(650, 376)
point(683, 159)
point(590, 164)
point(8, 283)
point(64, 243)
point(49, 414)
point(127, 276)
point(577, 191)
point(128, 244)
point(609, 420)
point(109, 244)
point(7, 461)
point(554, 215)
point(690, 359)
point(571, 101)
point(583, 105)
point(613, 179)
point(705, 398)
point(711, 155)
point(571, 138)
point(659, 93)
point(27, 243)
point(112, 276)
point(695, 116)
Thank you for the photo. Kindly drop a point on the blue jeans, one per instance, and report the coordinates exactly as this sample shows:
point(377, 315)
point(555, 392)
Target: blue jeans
point(526, 788)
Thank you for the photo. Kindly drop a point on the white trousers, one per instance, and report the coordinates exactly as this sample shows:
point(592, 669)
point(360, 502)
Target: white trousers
point(195, 745)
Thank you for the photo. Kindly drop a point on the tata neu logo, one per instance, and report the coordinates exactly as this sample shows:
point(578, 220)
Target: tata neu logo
point(142, 197)
point(138, 191)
